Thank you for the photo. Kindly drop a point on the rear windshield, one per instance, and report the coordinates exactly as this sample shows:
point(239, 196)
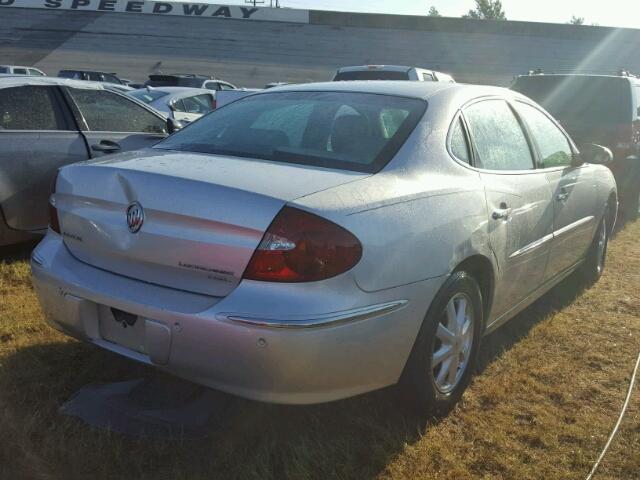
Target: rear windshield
point(371, 75)
point(148, 96)
point(351, 131)
point(4, 70)
point(580, 101)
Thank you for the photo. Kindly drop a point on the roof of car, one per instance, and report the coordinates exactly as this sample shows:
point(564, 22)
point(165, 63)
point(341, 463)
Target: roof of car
point(580, 75)
point(422, 90)
point(7, 81)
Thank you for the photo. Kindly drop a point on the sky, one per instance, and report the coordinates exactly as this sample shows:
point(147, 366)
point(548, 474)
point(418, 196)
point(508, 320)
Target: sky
point(615, 13)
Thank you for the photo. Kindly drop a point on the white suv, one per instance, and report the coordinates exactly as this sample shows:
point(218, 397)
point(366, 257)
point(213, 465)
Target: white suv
point(391, 72)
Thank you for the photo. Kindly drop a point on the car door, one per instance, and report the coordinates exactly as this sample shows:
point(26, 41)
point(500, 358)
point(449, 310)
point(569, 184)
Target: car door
point(113, 123)
point(520, 214)
point(37, 136)
point(573, 187)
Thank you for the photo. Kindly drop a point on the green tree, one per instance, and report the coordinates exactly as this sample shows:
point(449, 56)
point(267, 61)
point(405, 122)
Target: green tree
point(433, 12)
point(487, 10)
point(576, 20)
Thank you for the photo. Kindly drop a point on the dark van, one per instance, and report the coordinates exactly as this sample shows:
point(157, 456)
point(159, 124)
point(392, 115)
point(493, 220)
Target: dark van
point(597, 109)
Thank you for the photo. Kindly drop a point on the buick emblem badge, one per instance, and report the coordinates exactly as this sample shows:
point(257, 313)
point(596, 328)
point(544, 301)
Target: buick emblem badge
point(135, 217)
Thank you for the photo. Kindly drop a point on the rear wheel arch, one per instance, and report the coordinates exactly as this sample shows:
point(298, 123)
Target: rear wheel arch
point(481, 269)
point(612, 211)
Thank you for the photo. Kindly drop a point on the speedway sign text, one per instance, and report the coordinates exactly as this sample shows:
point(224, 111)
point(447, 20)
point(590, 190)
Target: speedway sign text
point(167, 8)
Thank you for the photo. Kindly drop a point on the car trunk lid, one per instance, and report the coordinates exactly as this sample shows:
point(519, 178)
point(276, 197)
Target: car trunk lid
point(204, 215)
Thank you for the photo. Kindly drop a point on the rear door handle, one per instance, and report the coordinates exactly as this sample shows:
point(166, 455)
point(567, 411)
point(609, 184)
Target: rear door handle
point(106, 146)
point(502, 213)
point(563, 195)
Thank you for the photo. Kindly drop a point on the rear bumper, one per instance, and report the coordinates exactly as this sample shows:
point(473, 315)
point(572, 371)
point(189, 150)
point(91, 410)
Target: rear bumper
point(279, 343)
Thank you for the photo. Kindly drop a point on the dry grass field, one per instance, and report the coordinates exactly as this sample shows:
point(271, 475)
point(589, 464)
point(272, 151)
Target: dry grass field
point(548, 391)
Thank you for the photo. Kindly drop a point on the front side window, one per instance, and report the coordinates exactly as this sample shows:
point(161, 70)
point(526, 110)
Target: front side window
point(499, 140)
point(427, 77)
point(28, 108)
point(554, 147)
point(226, 86)
point(109, 112)
point(33, 71)
point(352, 131)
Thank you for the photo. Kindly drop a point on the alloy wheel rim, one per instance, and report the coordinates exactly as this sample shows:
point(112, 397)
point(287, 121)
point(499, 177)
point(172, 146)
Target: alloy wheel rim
point(453, 343)
point(602, 244)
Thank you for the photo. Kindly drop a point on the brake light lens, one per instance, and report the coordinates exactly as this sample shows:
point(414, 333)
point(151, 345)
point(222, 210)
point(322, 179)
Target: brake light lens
point(302, 247)
point(54, 222)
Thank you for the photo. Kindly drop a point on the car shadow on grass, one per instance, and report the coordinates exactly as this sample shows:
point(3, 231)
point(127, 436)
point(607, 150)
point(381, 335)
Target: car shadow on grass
point(559, 297)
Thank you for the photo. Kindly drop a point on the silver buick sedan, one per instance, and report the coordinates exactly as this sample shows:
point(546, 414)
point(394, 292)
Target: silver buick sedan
point(319, 241)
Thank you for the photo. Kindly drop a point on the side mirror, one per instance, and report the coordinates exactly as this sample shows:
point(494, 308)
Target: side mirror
point(596, 154)
point(173, 125)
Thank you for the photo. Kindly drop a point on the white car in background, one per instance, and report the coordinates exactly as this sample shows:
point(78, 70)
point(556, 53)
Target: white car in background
point(20, 70)
point(184, 104)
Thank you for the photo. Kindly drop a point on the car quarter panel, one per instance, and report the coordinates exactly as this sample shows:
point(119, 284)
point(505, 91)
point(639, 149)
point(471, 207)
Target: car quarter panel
point(420, 217)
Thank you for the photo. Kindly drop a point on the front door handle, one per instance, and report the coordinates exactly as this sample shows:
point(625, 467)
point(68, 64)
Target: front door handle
point(106, 146)
point(502, 213)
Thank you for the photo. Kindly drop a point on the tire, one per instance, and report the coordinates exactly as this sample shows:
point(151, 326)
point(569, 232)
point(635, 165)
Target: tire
point(427, 382)
point(596, 259)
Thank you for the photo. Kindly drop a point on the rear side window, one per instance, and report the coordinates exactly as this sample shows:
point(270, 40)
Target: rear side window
point(108, 112)
point(351, 131)
point(554, 147)
point(199, 104)
point(499, 140)
point(28, 108)
point(20, 71)
point(459, 144)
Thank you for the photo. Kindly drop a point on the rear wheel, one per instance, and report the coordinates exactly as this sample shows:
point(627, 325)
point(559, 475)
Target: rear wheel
point(444, 355)
point(594, 265)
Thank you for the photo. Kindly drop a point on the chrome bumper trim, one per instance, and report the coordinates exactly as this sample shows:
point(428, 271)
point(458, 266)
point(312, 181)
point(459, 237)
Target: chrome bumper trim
point(318, 321)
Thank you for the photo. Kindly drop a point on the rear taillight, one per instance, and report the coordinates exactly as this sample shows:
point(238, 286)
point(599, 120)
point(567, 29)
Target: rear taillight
point(302, 247)
point(54, 222)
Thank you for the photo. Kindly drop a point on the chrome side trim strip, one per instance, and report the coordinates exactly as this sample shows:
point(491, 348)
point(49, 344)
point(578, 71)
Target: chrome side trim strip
point(532, 246)
point(573, 225)
point(317, 321)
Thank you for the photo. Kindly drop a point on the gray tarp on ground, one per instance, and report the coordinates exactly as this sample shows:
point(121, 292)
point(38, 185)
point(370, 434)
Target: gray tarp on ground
point(149, 408)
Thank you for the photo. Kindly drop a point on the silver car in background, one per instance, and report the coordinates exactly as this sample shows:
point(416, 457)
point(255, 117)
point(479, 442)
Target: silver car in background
point(185, 104)
point(48, 122)
point(319, 241)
